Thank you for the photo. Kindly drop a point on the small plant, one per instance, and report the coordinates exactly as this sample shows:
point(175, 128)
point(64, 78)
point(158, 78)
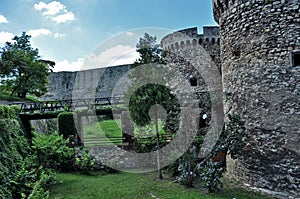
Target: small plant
point(31, 180)
point(85, 162)
point(210, 169)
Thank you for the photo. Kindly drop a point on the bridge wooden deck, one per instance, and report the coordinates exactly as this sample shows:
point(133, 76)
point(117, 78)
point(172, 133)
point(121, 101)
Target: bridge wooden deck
point(67, 105)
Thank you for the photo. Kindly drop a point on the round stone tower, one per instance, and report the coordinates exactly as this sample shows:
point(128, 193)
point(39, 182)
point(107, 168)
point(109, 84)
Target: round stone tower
point(260, 59)
point(186, 43)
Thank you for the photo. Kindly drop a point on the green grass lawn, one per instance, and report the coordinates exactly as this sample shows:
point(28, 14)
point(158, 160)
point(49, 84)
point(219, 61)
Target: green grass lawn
point(111, 129)
point(129, 185)
point(105, 128)
point(95, 133)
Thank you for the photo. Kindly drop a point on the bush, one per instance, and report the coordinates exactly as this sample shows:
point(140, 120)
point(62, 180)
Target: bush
point(20, 173)
point(24, 171)
point(85, 162)
point(66, 124)
point(31, 180)
point(210, 169)
point(14, 147)
point(39, 188)
point(9, 112)
point(52, 152)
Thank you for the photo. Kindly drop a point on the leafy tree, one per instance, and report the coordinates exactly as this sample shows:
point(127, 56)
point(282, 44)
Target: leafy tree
point(150, 95)
point(21, 68)
point(149, 51)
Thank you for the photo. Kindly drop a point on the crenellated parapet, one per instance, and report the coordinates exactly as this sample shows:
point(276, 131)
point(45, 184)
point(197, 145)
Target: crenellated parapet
point(190, 38)
point(190, 42)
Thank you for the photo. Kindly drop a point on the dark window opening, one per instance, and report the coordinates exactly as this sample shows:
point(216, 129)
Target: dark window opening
point(236, 53)
point(67, 86)
point(193, 81)
point(296, 58)
point(182, 44)
point(194, 42)
point(200, 41)
point(213, 40)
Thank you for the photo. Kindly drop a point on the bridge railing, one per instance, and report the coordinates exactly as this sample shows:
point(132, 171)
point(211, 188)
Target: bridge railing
point(68, 104)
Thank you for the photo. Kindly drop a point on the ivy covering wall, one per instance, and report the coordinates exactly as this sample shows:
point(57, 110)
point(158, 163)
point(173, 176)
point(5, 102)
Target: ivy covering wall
point(13, 146)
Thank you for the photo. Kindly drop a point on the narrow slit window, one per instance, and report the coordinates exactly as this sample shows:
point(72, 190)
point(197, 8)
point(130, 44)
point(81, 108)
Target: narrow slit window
point(193, 81)
point(296, 58)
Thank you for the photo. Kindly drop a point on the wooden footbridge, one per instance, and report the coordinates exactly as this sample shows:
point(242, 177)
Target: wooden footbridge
point(67, 105)
point(49, 109)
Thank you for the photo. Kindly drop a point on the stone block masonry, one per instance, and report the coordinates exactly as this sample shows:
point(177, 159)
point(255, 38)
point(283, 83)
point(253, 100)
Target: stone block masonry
point(259, 44)
point(87, 83)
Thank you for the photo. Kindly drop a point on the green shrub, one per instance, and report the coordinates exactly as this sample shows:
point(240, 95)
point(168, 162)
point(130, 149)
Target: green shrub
point(39, 189)
point(13, 147)
point(31, 179)
point(9, 112)
point(85, 162)
point(22, 169)
point(210, 169)
point(66, 124)
point(52, 151)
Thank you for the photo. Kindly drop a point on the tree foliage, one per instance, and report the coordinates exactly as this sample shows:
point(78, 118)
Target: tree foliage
point(149, 50)
point(21, 68)
point(141, 97)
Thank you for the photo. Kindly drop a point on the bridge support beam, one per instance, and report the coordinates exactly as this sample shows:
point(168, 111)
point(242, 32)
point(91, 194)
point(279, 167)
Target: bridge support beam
point(127, 131)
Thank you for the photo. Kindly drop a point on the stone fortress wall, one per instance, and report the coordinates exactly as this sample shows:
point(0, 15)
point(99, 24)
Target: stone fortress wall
point(260, 42)
point(209, 40)
point(85, 84)
point(197, 58)
point(185, 47)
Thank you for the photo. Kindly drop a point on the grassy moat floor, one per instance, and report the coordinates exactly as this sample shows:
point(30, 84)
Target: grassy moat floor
point(138, 186)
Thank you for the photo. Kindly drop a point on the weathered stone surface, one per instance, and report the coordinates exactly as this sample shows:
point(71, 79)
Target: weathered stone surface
point(86, 84)
point(257, 41)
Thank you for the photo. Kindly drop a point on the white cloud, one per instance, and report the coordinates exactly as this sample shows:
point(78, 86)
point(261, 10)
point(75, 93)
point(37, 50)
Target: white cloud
point(59, 35)
point(38, 32)
point(3, 19)
point(129, 33)
point(56, 11)
point(5, 37)
point(65, 65)
point(51, 8)
point(117, 55)
point(127, 58)
point(69, 16)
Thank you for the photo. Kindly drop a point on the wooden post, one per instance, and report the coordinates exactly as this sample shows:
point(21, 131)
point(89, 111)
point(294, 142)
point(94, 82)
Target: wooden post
point(127, 131)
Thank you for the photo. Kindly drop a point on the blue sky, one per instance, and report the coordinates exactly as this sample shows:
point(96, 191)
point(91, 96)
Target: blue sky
point(71, 31)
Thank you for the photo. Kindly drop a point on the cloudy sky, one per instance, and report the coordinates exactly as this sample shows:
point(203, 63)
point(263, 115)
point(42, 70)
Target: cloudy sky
point(104, 32)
